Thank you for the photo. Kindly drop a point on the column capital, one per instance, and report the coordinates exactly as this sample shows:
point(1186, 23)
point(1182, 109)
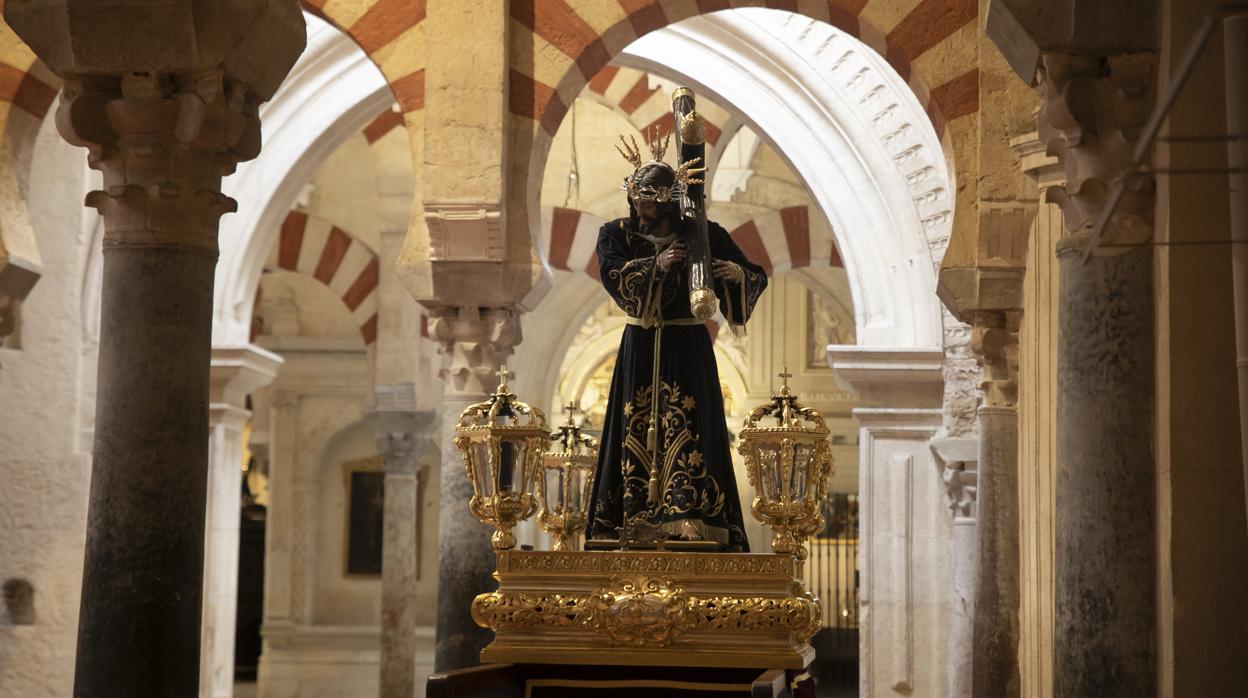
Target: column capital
point(163, 120)
point(994, 339)
point(473, 342)
point(1092, 108)
point(405, 437)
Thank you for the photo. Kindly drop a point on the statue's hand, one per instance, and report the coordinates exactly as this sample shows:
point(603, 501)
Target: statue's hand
point(727, 271)
point(674, 254)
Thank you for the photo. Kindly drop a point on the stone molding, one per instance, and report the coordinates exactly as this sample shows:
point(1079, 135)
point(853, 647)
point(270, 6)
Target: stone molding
point(238, 371)
point(465, 232)
point(899, 385)
point(1092, 108)
point(474, 343)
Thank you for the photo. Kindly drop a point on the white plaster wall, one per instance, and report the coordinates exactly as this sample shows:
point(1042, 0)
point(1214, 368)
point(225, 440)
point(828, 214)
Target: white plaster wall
point(340, 599)
point(44, 474)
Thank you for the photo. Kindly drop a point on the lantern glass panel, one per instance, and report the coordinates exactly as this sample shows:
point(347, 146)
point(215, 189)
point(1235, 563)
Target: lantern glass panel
point(579, 489)
point(802, 454)
point(769, 460)
point(511, 466)
point(554, 491)
point(481, 466)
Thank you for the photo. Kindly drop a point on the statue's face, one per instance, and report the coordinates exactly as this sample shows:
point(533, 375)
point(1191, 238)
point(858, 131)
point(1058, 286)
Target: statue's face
point(648, 212)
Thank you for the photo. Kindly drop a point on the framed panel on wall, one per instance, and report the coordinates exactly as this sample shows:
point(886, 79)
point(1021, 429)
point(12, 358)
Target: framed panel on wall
point(365, 508)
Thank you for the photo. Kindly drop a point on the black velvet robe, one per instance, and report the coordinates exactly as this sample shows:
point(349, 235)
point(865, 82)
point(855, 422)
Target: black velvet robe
point(696, 479)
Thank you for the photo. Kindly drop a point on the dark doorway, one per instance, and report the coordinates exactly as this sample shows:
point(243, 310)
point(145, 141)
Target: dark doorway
point(250, 592)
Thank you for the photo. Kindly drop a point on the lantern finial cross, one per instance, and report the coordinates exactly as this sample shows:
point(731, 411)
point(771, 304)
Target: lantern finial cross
point(785, 376)
point(503, 374)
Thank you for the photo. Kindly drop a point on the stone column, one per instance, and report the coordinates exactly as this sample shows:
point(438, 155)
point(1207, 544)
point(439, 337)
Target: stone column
point(166, 104)
point(959, 458)
point(994, 340)
point(405, 444)
point(905, 537)
point(235, 373)
point(988, 296)
point(1104, 531)
point(475, 343)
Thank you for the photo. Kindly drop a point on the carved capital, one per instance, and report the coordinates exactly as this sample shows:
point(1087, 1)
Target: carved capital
point(1091, 111)
point(994, 339)
point(404, 437)
point(163, 143)
point(473, 342)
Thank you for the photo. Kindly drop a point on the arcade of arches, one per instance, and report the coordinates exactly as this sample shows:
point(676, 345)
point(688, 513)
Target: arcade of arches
point(320, 229)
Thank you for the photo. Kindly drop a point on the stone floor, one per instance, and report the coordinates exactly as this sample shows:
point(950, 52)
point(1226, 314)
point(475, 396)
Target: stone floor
point(244, 690)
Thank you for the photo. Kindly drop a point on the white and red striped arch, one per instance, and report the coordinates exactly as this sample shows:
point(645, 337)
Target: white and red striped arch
point(320, 250)
point(790, 238)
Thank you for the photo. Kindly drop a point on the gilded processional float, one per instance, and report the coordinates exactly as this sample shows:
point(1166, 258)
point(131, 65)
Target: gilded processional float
point(630, 598)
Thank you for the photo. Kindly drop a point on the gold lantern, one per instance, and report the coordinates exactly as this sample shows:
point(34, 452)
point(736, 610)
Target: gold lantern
point(789, 465)
point(567, 481)
point(502, 441)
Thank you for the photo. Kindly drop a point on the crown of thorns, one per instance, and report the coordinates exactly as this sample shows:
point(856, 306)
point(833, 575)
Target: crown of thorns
point(683, 175)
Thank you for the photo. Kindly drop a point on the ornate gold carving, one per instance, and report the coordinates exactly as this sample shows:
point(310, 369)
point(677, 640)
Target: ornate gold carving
point(654, 563)
point(692, 129)
point(648, 612)
point(666, 608)
point(702, 302)
point(640, 611)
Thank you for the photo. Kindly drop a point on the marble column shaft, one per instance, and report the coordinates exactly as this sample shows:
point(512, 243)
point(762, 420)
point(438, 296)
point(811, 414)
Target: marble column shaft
point(996, 671)
point(1105, 519)
point(403, 443)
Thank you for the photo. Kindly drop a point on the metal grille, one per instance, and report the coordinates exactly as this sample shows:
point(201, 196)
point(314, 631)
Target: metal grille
point(832, 574)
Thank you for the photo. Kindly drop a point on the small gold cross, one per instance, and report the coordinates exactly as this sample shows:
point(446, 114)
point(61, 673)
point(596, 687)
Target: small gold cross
point(785, 375)
point(503, 374)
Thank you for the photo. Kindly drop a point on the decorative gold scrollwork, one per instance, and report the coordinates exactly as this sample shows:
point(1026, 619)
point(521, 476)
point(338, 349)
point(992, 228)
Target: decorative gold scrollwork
point(645, 612)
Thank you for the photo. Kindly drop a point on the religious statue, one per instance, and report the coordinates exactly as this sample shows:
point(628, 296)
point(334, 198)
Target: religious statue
point(664, 469)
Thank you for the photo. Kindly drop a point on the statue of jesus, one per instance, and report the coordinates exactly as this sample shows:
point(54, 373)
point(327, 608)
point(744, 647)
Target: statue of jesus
point(664, 463)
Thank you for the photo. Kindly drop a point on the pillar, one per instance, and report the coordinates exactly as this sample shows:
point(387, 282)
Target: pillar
point(996, 671)
point(166, 105)
point(905, 534)
point(405, 444)
point(235, 373)
point(988, 296)
point(1104, 527)
point(475, 343)
point(1104, 524)
point(959, 458)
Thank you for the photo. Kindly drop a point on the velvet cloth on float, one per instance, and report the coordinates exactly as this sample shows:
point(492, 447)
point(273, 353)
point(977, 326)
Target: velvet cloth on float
point(695, 476)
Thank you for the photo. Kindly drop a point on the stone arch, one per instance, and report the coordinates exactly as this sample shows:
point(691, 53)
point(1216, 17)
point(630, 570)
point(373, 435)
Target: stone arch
point(322, 251)
point(27, 92)
point(901, 313)
point(627, 92)
point(333, 92)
